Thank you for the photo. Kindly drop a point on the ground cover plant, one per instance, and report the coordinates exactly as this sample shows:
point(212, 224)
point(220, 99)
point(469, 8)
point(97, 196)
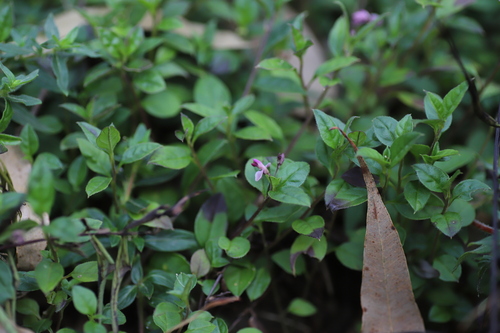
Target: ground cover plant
point(248, 166)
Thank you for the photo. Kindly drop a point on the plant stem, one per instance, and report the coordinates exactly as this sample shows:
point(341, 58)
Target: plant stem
point(130, 182)
point(137, 103)
point(250, 220)
point(140, 313)
point(120, 269)
point(200, 166)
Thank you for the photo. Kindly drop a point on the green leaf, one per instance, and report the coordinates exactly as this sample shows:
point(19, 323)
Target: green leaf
point(339, 36)
point(385, 129)
point(300, 41)
point(265, 122)
point(9, 140)
point(281, 213)
point(165, 104)
point(238, 278)
point(335, 64)
point(259, 284)
point(96, 185)
point(291, 195)
point(172, 157)
point(167, 315)
point(282, 259)
point(41, 190)
point(60, 68)
point(183, 285)
point(48, 274)
point(437, 103)
point(465, 188)
point(8, 74)
point(7, 290)
point(341, 195)
point(432, 177)
point(331, 138)
point(77, 172)
point(138, 152)
point(211, 91)
point(66, 229)
point(6, 116)
point(171, 241)
point(50, 28)
point(448, 223)
point(24, 99)
point(205, 125)
point(97, 160)
point(149, 81)
point(417, 195)
point(243, 104)
point(293, 173)
point(253, 133)
point(325, 81)
point(249, 330)
point(301, 307)
point(108, 139)
point(200, 264)
point(401, 146)
point(7, 19)
point(211, 221)
point(91, 132)
point(312, 247)
point(86, 272)
point(187, 126)
point(30, 144)
point(453, 98)
point(76, 109)
point(275, 64)
point(313, 226)
point(236, 248)
point(84, 300)
point(371, 153)
point(350, 254)
point(278, 85)
point(204, 110)
point(445, 265)
point(28, 306)
point(405, 125)
point(91, 327)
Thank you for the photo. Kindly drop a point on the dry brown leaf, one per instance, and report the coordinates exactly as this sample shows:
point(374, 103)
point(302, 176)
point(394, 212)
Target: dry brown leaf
point(19, 169)
point(387, 298)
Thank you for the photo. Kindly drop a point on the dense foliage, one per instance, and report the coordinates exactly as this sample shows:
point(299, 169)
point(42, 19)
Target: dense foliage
point(187, 177)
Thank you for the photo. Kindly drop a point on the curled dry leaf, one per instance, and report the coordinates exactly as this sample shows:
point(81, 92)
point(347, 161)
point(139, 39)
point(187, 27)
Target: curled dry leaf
point(387, 298)
point(28, 256)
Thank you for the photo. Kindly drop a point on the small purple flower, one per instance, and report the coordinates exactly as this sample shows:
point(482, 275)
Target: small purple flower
point(263, 169)
point(362, 16)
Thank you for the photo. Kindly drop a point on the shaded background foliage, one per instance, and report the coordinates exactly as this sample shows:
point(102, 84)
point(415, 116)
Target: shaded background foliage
point(399, 58)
